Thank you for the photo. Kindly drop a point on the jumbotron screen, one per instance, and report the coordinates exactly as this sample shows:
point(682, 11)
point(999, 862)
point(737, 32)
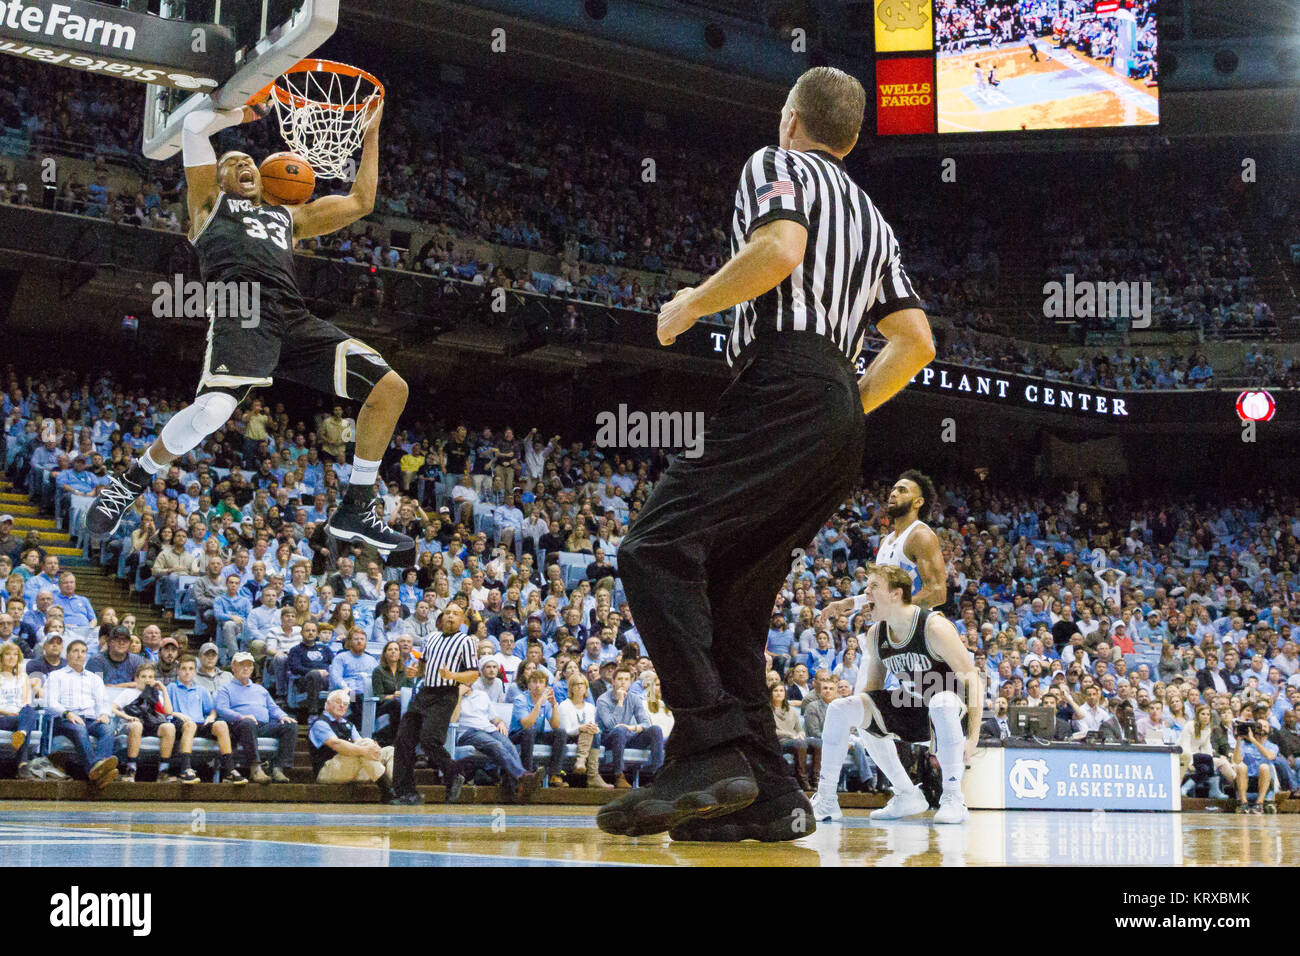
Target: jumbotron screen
point(983, 66)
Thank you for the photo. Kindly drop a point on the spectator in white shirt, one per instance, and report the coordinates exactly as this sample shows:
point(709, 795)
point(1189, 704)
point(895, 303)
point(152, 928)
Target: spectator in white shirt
point(80, 704)
point(481, 729)
point(578, 719)
point(506, 658)
point(280, 640)
point(1092, 713)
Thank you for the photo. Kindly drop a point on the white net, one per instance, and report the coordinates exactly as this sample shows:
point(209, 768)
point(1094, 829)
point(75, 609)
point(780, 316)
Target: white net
point(324, 114)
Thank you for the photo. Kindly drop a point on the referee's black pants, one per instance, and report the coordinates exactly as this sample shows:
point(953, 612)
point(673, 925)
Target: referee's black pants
point(703, 562)
point(424, 724)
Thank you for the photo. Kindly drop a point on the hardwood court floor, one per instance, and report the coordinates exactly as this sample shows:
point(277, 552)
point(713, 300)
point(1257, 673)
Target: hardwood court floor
point(99, 834)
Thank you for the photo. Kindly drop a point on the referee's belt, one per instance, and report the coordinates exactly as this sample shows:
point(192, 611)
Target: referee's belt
point(791, 342)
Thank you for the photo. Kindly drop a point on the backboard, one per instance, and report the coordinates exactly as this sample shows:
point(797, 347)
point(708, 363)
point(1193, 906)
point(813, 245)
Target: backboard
point(270, 37)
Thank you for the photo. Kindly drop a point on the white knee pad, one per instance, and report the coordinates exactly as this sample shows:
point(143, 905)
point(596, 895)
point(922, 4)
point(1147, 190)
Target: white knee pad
point(848, 711)
point(945, 699)
point(197, 421)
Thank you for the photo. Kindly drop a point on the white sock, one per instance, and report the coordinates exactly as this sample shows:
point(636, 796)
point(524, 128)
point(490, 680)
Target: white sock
point(364, 472)
point(843, 714)
point(885, 754)
point(949, 742)
point(148, 464)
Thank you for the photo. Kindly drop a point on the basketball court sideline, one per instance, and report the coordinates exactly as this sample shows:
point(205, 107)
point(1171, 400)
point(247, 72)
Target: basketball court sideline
point(90, 834)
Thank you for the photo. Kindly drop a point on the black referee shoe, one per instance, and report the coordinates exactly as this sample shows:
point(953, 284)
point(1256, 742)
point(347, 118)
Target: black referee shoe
point(710, 784)
point(113, 500)
point(782, 812)
point(359, 522)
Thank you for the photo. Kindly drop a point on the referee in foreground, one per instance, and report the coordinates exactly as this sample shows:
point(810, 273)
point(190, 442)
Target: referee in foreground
point(450, 658)
point(813, 265)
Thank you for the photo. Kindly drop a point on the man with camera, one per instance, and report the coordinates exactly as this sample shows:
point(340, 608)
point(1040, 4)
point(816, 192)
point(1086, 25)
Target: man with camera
point(1253, 758)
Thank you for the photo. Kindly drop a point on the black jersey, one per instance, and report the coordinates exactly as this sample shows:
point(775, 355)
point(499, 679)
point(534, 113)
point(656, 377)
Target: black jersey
point(921, 672)
point(246, 241)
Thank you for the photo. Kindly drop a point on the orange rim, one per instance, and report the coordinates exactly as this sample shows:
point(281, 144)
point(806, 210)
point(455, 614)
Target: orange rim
point(290, 98)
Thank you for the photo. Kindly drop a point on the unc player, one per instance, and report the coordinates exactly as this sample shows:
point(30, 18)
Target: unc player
point(912, 546)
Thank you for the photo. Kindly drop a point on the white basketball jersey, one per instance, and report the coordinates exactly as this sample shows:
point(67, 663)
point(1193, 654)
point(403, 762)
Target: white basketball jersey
point(891, 551)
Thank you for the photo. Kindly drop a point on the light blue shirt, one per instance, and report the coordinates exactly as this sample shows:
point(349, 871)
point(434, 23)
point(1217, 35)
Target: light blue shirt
point(236, 701)
point(352, 672)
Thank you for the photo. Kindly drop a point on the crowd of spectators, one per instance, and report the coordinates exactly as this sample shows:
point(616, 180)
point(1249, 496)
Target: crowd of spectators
point(468, 167)
point(963, 24)
point(1102, 603)
point(239, 522)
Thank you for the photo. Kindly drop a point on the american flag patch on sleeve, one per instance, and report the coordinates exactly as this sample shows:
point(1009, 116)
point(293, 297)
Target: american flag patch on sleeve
point(767, 191)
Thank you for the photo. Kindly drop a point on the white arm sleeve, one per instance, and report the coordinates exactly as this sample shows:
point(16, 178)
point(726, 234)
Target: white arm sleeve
point(196, 148)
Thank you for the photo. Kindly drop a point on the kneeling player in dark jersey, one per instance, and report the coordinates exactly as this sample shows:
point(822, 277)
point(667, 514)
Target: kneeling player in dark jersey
point(245, 248)
point(920, 649)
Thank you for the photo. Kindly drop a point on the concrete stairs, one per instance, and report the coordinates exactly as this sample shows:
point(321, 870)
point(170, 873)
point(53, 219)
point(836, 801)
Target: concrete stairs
point(27, 517)
point(98, 584)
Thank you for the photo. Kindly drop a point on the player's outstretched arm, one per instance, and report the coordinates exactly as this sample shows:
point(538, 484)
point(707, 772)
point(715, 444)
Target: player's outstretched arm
point(200, 159)
point(331, 213)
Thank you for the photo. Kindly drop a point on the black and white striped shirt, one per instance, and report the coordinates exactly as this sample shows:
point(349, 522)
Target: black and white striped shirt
point(456, 652)
point(852, 274)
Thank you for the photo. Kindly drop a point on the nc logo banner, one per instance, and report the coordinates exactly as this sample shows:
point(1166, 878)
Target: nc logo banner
point(1028, 779)
point(1086, 779)
point(903, 26)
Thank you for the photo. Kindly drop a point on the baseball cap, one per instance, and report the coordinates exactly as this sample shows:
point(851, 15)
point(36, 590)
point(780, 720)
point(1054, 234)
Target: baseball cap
point(169, 640)
point(208, 647)
point(4, 518)
point(241, 657)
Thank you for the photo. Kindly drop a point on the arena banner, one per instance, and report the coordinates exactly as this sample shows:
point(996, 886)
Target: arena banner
point(904, 26)
point(1074, 777)
point(905, 95)
point(99, 38)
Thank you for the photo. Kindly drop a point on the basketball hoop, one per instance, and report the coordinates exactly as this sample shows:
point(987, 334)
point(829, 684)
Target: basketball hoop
point(323, 110)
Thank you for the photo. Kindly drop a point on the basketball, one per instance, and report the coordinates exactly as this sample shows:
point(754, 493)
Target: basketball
point(287, 179)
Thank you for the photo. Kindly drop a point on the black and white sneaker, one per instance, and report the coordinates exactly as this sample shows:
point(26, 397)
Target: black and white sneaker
point(113, 500)
point(353, 523)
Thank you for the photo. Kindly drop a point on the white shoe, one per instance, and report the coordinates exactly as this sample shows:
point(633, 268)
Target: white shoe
point(826, 806)
point(902, 805)
point(952, 809)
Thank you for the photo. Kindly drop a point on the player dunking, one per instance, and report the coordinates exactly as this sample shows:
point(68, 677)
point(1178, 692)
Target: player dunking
point(240, 239)
point(921, 650)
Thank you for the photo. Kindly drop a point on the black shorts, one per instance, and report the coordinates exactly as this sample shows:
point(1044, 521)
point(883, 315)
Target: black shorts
point(293, 345)
point(904, 717)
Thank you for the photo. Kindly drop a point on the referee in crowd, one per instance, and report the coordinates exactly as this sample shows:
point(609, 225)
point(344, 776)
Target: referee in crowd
point(450, 658)
point(813, 265)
